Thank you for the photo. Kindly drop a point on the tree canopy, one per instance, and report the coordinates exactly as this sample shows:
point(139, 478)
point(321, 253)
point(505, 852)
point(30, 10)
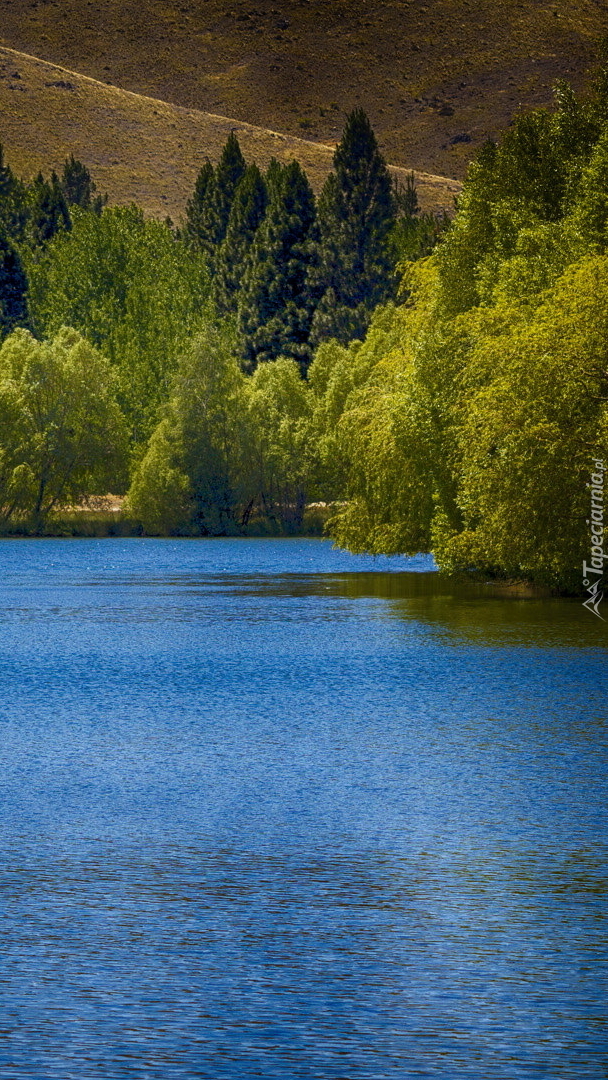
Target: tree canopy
point(353, 272)
point(62, 434)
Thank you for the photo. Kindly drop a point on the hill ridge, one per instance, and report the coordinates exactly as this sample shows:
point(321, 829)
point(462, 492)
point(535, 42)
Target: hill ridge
point(41, 131)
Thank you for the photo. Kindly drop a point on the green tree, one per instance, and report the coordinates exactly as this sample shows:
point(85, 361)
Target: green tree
point(13, 288)
point(275, 304)
point(588, 223)
point(196, 207)
point(160, 495)
point(369, 431)
point(473, 412)
point(134, 291)
point(353, 272)
point(192, 478)
point(406, 198)
point(49, 212)
point(228, 175)
point(63, 434)
point(532, 177)
point(209, 209)
point(280, 464)
point(246, 215)
point(533, 416)
point(78, 186)
point(13, 202)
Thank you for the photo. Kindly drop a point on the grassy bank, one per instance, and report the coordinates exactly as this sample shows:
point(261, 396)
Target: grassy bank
point(102, 523)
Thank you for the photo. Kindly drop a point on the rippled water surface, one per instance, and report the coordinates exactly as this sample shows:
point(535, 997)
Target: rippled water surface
point(271, 810)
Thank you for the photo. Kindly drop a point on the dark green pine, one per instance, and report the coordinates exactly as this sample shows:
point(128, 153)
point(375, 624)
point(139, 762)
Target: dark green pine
point(246, 215)
point(276, 306)
point(13, 288)
point(228, 175)
point(13, 202)
point(207, 221)
point(354, 270)
point(274, 173)
point(77, 185)
point(195, 207)
point(50, 212)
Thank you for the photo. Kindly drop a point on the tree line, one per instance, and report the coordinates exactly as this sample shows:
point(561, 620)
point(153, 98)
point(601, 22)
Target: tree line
point(257, 263)
point(441, 388)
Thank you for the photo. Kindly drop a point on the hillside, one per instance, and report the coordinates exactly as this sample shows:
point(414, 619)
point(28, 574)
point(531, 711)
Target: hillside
point(139, 148)
point(436, 77)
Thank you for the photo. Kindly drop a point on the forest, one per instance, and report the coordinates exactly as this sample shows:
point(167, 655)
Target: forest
point(433, 384)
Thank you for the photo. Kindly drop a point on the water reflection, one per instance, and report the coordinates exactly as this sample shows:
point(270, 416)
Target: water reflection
point(265, 816)
point(477, 612)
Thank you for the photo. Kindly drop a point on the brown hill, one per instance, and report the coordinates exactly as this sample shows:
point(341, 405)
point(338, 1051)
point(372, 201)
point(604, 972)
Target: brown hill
point(139, 148)
point(435, 76)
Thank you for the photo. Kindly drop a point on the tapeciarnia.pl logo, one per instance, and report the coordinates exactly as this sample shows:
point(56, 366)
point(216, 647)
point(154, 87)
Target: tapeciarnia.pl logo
point(593, 572)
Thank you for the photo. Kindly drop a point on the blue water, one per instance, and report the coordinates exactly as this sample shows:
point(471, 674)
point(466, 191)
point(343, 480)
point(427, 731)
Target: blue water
point(271, 810)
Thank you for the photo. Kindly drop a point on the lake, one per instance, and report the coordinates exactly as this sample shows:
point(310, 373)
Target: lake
point(273, 810)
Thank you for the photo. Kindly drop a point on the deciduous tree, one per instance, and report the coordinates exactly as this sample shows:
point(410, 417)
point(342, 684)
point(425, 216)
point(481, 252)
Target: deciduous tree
point(63, 434)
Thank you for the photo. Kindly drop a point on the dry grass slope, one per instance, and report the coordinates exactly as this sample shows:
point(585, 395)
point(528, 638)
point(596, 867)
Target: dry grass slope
point(436, 77)
point(139, 148)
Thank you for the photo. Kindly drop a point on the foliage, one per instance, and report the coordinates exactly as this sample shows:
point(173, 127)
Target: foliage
point(276, 305)
point(533, 177)
point(279, 463)
point(473, 435)
point(371, 449)
point(533, 418)
point(190, 479)
point(246, 215)
point(13, 202)
point(13, 288)
point(134, 292)
point(48, 211)
point(78, 187)
point(414, 238)
point(62, 435)
point(228, 448)
point(209, 209)
point(353, 271)
point(228, 175)
point(196, 206)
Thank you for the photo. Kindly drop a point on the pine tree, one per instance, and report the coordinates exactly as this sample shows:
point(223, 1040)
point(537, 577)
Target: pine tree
point(274, 173)
point(209, 209)
point(78, 187)
point(276, 305)
point(247, 212)
point(50, 212)
point(228, 175)
point(195, 207)
point(354, 271)
point(406, 198)
point(13, 288)
point(13, 202)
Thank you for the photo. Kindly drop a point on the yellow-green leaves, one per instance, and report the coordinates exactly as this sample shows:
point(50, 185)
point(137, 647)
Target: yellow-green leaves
point(62, 434)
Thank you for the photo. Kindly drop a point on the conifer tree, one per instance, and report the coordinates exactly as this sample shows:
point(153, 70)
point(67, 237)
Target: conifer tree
point(13, 202)
point(247, 212)
point(354, 270)
point(276, 305)
point(210, 207)
point(13, 288)
point(78, 186)
point(195, 207)
point(274, 173)
point(228, 175)
point(49, 214)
